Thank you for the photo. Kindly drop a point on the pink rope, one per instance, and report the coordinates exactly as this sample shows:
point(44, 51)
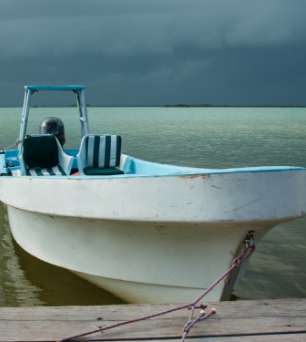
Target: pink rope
point(244, 254)
point(192, 322)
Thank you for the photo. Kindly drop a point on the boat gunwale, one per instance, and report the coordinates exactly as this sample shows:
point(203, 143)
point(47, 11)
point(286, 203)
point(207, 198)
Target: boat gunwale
point(230, 222)
point(187, 174)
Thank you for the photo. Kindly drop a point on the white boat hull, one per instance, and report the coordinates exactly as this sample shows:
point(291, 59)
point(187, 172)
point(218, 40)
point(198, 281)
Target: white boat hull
point(138, 262)
point(149, 239)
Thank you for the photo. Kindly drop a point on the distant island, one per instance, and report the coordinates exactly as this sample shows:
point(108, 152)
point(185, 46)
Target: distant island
point(178, 105)
point(232, 106)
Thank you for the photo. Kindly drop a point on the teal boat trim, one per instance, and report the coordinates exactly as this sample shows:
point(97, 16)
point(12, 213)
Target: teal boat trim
point(36, 88)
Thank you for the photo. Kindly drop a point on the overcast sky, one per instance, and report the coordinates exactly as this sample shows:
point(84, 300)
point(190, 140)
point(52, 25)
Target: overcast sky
point(152, 52)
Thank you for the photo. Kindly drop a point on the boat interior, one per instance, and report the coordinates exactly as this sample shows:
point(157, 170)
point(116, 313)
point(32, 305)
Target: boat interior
point(42, 154)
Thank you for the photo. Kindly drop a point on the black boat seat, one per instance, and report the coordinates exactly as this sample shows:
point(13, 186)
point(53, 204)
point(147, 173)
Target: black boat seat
point(42, 155)
point(100, 155)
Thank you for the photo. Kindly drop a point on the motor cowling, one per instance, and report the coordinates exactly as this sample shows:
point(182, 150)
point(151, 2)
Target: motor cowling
point(55, 126)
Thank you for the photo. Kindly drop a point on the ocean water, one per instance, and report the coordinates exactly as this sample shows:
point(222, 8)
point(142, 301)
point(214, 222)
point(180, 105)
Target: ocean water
point(203, 137)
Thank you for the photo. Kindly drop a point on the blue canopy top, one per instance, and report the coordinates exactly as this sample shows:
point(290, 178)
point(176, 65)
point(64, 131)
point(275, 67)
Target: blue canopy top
point(34, 88)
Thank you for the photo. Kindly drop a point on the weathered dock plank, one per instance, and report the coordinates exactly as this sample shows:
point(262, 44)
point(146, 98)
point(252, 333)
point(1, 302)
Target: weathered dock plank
point(266, 320)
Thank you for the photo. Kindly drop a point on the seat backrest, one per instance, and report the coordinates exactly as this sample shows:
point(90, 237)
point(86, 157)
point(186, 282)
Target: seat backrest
point(100, 151)
point(40, 151)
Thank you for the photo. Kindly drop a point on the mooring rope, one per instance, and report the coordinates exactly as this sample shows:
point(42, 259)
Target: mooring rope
point(247, 250)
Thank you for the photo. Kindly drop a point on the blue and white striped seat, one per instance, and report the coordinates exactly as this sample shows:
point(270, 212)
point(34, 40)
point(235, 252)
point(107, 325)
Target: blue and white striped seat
point(99, 155)
point(50, 171)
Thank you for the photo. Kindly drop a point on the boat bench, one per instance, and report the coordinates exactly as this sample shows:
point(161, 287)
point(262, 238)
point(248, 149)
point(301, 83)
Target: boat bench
point(43, 155)
point(100, 155)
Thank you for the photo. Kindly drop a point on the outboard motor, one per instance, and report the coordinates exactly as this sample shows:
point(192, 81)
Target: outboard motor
point(55, 126)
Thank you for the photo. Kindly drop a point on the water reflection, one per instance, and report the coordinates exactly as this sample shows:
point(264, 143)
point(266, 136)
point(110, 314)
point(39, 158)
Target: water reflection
point(25, 280)
point(15, 288)
point(277, 269)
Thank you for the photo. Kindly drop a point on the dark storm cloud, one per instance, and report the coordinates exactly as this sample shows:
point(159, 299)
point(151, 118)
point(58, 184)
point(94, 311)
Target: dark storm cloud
point(158, 51)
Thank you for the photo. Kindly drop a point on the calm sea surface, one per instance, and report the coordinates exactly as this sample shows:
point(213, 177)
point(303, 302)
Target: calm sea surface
point(204, 137)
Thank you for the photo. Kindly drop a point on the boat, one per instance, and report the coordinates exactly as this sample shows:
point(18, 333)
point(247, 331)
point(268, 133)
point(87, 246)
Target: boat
point(144, 231)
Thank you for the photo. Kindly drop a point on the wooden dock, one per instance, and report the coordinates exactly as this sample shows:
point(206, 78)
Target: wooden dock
point(239, 321)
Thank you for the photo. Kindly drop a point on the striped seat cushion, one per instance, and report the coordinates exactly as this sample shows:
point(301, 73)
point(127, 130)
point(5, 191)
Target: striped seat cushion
point(102, 151)
point(50, 171)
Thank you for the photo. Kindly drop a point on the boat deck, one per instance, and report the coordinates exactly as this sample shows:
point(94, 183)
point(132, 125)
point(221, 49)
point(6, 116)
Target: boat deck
point(251, 321)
